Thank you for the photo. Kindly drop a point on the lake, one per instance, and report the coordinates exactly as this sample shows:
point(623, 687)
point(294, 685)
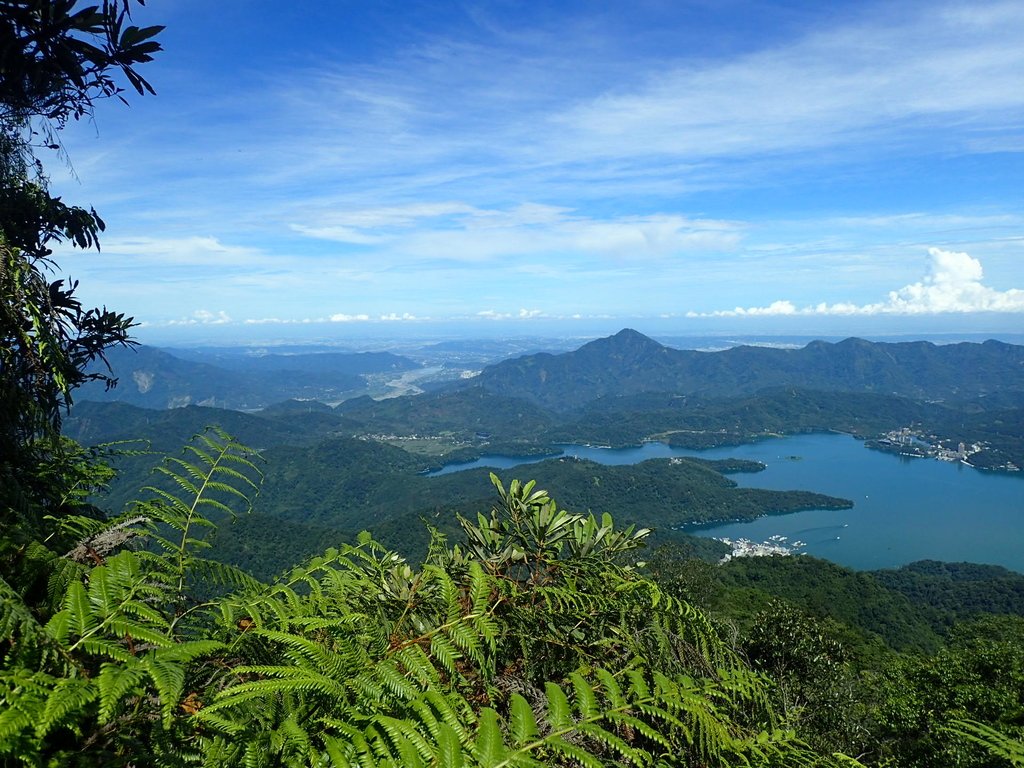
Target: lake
point(904, 509)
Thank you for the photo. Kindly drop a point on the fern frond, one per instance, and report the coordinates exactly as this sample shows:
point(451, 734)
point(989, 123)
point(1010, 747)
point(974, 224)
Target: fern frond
point(69, 694)
point(18, 623)
point(113, 683)
point(995, 742)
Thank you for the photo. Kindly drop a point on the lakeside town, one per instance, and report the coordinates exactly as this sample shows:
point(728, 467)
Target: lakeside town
point(775, 545)
point(907, 441)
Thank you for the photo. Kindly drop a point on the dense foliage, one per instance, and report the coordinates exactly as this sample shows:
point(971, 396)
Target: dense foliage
point(533, 638)
point(534, 642)
point(56, 62)
point(529, 636)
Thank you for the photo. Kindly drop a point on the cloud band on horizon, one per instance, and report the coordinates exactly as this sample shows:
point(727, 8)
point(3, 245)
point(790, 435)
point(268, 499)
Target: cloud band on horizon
point(953, 284)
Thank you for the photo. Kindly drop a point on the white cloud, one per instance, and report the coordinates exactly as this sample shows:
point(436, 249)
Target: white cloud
point(831, 87)
point(184, 251)
point(951, 285)
point(343, 318)
point(462, 232)
point(203, 317)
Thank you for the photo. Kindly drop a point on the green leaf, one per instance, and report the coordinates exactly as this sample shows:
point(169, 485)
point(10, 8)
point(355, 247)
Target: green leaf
point(114, 682)
point(490, 748)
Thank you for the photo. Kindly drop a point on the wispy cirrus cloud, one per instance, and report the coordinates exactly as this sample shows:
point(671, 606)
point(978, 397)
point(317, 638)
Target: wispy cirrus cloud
point(879, 78)
point(463, 232)
point(619, 161)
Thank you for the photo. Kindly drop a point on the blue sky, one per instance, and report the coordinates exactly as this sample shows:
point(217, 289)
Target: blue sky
point(353, 167)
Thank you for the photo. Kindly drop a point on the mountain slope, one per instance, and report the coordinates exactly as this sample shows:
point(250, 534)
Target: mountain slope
point(153, 378)
point(631, 363)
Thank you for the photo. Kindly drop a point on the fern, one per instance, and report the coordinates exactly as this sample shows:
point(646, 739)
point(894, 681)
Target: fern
point(996, 743)
point(535, 642)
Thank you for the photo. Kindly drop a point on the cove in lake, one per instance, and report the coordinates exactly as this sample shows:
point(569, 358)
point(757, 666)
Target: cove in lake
point(904, 509)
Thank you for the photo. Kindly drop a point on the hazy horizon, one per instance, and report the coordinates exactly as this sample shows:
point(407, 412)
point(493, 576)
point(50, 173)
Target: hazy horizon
point(382, 336)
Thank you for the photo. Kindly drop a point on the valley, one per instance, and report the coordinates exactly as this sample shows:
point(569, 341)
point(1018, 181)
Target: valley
point(372, 462)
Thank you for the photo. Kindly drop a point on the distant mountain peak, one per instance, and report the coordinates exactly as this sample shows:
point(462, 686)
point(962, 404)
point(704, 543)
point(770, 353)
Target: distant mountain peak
point(629, 363)
point(628, 334)
point(627, 338)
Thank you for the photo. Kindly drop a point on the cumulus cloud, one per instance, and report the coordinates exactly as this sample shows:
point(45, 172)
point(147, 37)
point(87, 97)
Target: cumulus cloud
point(203, 317)
point(522, 314)
point(953, 284)
point(340, 317)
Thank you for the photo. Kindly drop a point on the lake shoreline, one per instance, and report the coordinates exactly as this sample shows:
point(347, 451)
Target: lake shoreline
point(904, 511)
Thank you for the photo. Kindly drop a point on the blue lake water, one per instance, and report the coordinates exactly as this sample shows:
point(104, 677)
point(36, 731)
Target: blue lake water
point(904, 509)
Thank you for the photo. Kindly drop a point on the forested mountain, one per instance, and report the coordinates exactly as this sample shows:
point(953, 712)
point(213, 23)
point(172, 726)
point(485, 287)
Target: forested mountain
point(850, 655)
point(630, 363)
point(168, 429)
point(228, 612)
point(264, 361)
point(156, 378)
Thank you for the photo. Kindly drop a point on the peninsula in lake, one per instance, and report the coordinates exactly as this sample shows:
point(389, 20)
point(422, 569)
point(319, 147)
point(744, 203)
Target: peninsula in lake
point(336, 469)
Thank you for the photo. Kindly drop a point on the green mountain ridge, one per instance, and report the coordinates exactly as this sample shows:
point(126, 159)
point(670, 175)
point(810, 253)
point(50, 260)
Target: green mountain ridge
point(631, 363)
point(156, 378)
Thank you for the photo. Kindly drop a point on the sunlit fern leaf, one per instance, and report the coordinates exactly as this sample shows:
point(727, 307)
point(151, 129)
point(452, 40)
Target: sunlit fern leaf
point(114, 682)
point(464, 636)
point(559, 709)
point(444, 653)
point(296, 741)
point(611, 688)
point(168, 678)
point(225, 574)
point(78, 609)
point(452, 710)
point(306, 653)
point(523, 723)
point(392, 680)
point(994, 741)
point(585, 697)
point(449, 747)
point(638, 688)
point(277, 682)
point(415, 747)
point(610, 742)
point(624, 720)
point(103, 648)
point(187, 651)
point(25, 694)
point(489, 745)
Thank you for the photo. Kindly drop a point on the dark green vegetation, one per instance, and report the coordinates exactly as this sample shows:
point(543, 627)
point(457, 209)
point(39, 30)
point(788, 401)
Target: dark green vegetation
point(533, 642)
point(532, 636)
point(537, 639)
point(630, 363)
point(318, 476)
point(55, 64)
point(628, 388)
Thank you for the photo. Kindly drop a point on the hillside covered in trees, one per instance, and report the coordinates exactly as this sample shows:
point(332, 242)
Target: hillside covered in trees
point(527, 631)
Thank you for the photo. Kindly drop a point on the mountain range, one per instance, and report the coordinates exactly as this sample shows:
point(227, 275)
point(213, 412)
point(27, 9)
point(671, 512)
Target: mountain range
point(155, 378)
point(630, 363)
